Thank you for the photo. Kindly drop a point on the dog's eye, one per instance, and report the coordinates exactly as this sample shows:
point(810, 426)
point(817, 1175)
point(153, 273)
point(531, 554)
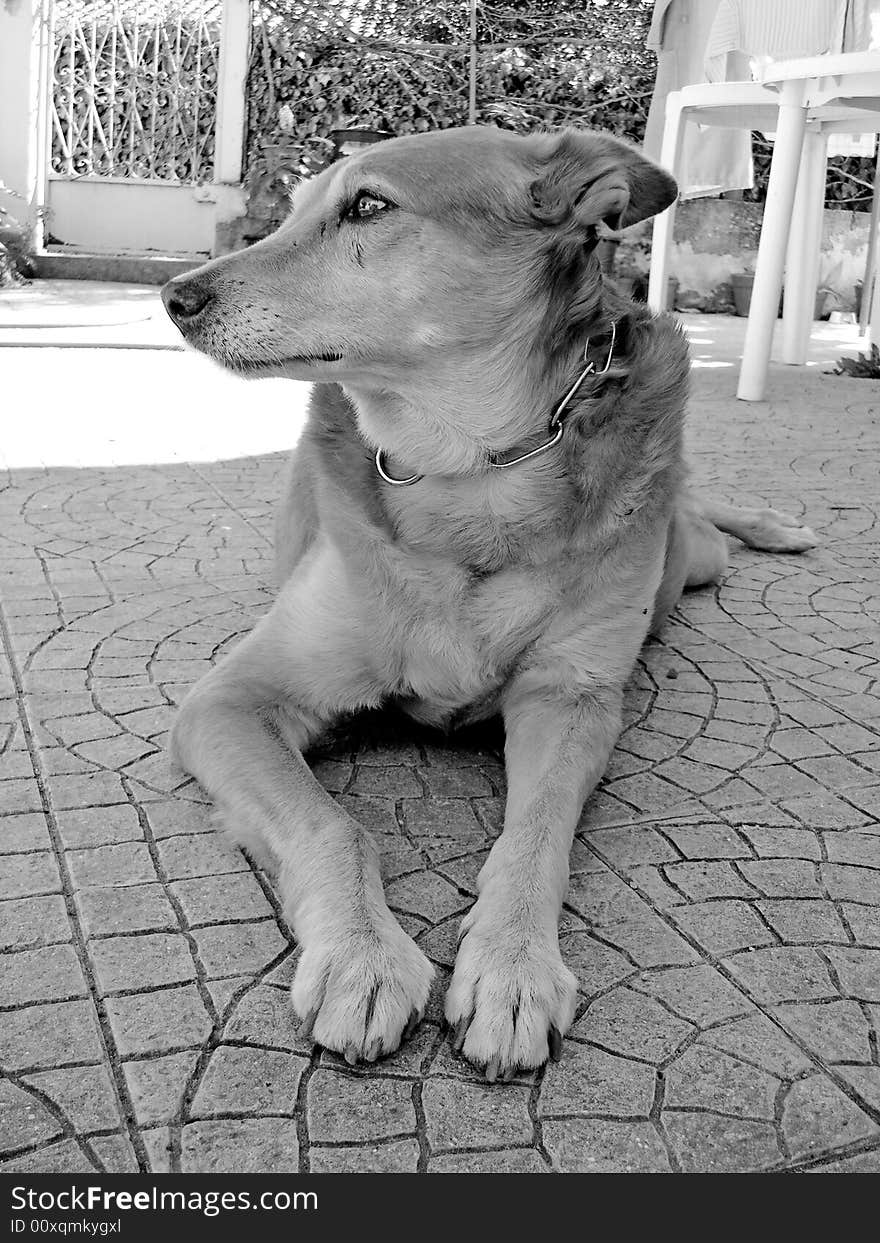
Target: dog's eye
point(366, 205)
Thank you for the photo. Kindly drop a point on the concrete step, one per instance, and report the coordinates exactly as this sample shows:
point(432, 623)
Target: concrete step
point(120, 269)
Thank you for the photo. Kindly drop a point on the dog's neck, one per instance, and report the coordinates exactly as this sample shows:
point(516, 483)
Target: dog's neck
point(482, 418)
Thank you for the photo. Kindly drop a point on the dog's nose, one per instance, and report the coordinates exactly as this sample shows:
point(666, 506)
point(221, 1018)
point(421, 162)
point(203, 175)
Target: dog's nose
point(185, 299)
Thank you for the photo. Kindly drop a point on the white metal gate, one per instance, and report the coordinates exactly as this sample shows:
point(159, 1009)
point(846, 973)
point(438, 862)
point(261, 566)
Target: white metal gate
point(144, 99)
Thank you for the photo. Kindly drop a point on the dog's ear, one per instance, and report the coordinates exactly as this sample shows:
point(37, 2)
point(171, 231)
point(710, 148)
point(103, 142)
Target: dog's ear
point(591, 177)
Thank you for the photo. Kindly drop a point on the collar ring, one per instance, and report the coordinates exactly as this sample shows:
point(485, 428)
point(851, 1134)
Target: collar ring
point(397, 483)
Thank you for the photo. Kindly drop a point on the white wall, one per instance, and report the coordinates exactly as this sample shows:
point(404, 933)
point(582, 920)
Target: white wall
point(111, 214)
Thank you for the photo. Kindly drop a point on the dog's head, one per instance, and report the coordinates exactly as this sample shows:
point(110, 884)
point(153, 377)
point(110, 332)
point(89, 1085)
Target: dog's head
point(423, 252)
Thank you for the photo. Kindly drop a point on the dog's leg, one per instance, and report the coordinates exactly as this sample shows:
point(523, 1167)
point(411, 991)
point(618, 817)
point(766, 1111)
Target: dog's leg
point(697, 552)
point(696, 555)
point(765, 529)
point(512, 997)
point(296, 519)
point(361, 981)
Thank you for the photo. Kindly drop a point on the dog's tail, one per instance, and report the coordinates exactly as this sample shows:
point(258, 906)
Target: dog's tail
point(765, 529)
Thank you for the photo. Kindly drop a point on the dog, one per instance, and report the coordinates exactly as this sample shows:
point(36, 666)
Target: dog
point(487, 513)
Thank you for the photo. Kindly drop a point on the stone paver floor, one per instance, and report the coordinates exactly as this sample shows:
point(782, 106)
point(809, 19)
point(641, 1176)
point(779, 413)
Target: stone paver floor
point(723, 917)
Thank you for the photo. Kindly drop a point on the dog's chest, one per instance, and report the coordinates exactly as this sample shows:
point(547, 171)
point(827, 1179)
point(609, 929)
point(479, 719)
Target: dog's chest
point(460, 642)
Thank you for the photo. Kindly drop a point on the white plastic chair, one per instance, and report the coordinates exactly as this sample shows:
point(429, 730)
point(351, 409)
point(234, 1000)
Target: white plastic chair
point(725, 105)
point(803, 101)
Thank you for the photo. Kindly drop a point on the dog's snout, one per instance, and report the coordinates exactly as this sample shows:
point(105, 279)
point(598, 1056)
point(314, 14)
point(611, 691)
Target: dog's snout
point(185, 299)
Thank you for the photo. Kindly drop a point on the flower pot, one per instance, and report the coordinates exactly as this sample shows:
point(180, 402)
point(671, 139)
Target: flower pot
point(742, 283)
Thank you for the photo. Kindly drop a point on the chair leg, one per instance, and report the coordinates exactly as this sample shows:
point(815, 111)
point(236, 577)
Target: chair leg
point(661, 243)
point(804, 246)
point(774, 238)
point(874, 314)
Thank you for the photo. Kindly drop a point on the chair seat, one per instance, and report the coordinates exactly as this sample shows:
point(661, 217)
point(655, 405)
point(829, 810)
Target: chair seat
point(753, 106)
point(727, 105)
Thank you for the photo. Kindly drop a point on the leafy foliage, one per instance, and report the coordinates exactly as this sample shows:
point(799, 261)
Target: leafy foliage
point(865, 367)
point(15, 245)
point(403, 66)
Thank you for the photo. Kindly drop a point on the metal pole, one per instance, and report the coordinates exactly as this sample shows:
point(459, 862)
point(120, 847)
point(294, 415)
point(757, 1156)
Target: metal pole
point(472, 84)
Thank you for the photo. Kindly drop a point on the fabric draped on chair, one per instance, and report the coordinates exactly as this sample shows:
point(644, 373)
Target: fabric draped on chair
point(712, 160)
point(731, 40)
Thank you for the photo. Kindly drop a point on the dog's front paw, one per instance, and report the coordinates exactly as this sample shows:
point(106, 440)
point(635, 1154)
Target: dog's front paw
point(362, 991)
point(511, 998)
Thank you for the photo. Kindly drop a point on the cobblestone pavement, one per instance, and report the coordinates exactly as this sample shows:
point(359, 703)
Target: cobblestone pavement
point(723, 917)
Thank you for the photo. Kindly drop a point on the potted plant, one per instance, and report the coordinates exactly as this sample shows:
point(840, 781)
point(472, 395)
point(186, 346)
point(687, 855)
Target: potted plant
point(281, 165)
point(16, 246)
point(742, 283)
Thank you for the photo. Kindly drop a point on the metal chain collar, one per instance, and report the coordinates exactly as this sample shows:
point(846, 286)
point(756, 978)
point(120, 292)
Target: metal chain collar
point(555, 430)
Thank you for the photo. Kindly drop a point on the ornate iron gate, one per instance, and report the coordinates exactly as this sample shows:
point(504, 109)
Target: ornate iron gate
point(134, 90)
point(146, 119)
